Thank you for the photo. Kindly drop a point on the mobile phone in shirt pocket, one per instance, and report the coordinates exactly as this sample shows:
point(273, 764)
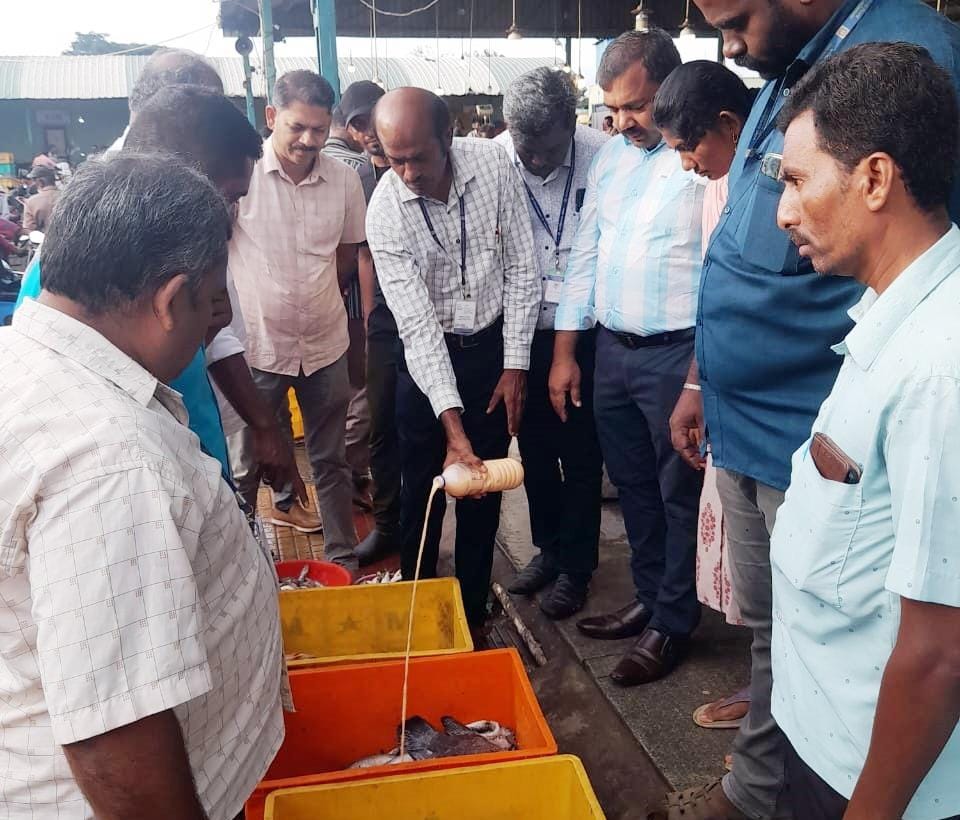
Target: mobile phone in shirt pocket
point(818, 525)
point(761, 241)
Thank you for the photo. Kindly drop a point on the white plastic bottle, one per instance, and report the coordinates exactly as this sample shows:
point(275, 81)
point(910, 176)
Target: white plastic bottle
point(460, 481)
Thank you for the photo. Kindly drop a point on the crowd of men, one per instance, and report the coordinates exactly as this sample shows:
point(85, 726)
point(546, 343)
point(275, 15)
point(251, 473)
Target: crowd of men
point(428, 298)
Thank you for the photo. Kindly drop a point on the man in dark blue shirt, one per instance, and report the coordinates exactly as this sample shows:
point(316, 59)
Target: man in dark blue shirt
point(764, 329)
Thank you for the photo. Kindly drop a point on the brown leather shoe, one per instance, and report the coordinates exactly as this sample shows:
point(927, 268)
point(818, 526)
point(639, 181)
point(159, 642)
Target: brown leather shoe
point(297, 517)
point(624, 623)
point(653, 656)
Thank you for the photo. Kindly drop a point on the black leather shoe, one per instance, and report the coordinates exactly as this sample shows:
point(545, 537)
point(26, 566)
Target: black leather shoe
point(376, 547)
point(624, 623)
point(652, 657)
point(532, 578)
point(566, 598)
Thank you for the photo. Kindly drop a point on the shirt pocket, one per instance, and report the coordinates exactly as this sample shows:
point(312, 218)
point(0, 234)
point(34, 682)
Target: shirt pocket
point(819, 519)
point(323, 229)
point(760, 240)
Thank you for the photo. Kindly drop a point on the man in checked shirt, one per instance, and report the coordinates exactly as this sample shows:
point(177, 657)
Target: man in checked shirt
point(451, 238)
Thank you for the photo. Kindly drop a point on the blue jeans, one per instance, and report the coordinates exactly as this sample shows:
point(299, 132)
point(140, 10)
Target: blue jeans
point(634, 394)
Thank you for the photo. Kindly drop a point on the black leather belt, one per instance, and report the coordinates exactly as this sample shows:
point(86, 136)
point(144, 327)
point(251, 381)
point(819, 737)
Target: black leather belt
point(634, 342)
point(458, 342)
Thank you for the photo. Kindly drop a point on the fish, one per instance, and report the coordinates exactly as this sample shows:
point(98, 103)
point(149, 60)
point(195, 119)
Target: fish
point(424, 742)
point(390, 758)
point(500, 736)
point(300, 582)
point(382, 577)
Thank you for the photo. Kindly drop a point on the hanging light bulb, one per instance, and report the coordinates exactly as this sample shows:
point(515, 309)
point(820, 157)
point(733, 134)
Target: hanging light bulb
point(643, 17)
point(686, 30)
point(513, 33)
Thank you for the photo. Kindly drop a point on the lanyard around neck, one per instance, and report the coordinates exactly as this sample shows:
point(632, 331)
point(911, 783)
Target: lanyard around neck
point(463, 241)
point(538, 209)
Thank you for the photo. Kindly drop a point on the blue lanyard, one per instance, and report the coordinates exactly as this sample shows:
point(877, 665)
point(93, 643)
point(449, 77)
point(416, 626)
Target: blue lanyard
point(463, 241)
point(767, 120)
point(538, 210)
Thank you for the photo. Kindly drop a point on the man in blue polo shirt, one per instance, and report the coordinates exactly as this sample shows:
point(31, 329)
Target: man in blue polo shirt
point(765, 326)
point(866, 571)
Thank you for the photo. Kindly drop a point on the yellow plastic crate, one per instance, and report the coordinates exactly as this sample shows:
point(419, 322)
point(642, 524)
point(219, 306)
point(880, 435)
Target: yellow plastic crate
point(369, 622)
point(551, 788)
point(296, 417)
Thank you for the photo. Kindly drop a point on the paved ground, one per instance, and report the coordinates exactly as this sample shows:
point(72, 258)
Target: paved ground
point(634, 742)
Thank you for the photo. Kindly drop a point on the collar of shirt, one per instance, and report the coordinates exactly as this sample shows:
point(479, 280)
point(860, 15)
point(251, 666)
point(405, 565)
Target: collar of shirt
point(81, 343)
point(462, 174)
point(271, 164)
point(533, 178)
point(878, 317)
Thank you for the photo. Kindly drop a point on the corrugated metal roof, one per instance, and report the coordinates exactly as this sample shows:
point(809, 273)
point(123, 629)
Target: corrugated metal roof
point(108, 77)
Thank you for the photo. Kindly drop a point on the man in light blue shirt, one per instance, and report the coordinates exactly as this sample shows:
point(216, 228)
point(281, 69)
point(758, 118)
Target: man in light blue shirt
point(866, 569)
point(634, 270)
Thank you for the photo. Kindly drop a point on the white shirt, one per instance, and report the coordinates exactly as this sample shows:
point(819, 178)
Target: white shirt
point(844, 555)
point(130, 583)
point(549, 195)
point(422, 282)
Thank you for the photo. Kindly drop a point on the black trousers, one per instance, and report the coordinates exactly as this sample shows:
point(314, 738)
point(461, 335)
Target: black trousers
point(811, 798)
point(562, 463)
point(423, 449)
point(384, 352)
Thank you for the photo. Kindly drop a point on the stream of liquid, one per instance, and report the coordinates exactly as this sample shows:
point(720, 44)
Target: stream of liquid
point(437, 485)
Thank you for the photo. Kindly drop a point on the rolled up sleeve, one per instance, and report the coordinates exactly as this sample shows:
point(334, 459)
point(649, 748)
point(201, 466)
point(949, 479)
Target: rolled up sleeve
point(115, 602)
point(924, 434)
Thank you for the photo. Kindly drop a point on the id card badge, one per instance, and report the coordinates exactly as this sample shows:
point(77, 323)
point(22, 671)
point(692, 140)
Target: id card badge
point(465, 317)
point(552, 289)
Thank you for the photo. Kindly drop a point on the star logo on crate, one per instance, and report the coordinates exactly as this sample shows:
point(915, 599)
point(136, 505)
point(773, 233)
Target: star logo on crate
point(349, 625)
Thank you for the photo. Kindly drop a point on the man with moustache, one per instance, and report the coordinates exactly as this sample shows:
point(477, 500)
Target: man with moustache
point(765, 326)
point(634, 270)
point(294, 248)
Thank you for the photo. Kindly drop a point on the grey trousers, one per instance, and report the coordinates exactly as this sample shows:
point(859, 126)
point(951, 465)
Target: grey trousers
point(358, 434)
point(756, 784)
point(323, 398)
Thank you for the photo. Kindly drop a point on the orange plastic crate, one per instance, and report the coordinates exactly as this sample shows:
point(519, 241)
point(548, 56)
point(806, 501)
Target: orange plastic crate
point(345, 713)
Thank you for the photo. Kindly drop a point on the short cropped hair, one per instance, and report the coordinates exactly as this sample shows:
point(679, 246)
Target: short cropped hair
point(538, 100)
point(198, 125)
point(172, 66)
point(117, 233)
point(305, 87)
point(654, 48)
point(690, 100)
point(886, 97)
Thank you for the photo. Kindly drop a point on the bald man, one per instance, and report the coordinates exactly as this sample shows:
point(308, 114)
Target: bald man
point(453, 246)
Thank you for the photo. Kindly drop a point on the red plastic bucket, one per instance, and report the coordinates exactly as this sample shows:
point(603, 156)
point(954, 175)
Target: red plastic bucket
point(330, 575)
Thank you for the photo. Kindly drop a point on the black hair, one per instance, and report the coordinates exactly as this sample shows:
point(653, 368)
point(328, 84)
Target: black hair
point(305, 87)
point(117, 232)
point(654, 48)
point(172, 67)
point(538, 100)
point(690, 100)
point(198, 125)
point(890, 98)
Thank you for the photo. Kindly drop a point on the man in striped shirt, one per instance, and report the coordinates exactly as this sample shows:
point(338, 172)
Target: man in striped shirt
point(634, 270)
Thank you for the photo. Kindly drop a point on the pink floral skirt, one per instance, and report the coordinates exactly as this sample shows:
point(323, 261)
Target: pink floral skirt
point(713, 571)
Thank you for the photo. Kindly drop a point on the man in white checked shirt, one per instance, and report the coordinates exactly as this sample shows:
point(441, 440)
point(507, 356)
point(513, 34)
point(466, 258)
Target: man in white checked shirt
point(140, 655)
point(635, 270)
point(451, 239)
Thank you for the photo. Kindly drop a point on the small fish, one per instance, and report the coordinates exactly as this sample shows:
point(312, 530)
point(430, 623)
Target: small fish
point(382, 577)
point(300, 582)
point(388, 759)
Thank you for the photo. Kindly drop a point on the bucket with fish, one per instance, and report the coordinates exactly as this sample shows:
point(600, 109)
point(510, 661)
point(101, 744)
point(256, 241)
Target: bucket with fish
point(465, 710)
point(369, 622)
point(311, 575)
point(553, 788)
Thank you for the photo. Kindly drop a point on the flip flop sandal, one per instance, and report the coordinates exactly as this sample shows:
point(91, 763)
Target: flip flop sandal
point(728, 762)
point(743, 696)
point(701, 803)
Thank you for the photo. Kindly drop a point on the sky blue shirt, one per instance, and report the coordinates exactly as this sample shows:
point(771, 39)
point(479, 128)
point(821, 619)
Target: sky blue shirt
point(843, 555)
point(635, 262)
point(766, 320)
point(193, 385)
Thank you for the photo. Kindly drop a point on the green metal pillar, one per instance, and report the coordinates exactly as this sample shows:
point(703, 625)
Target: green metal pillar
point(248, 87)
point(266, 29)
point(325, 29)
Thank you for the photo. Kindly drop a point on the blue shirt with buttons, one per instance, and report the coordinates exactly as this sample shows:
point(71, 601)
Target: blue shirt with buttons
point(843, 555)
point(766, 320)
